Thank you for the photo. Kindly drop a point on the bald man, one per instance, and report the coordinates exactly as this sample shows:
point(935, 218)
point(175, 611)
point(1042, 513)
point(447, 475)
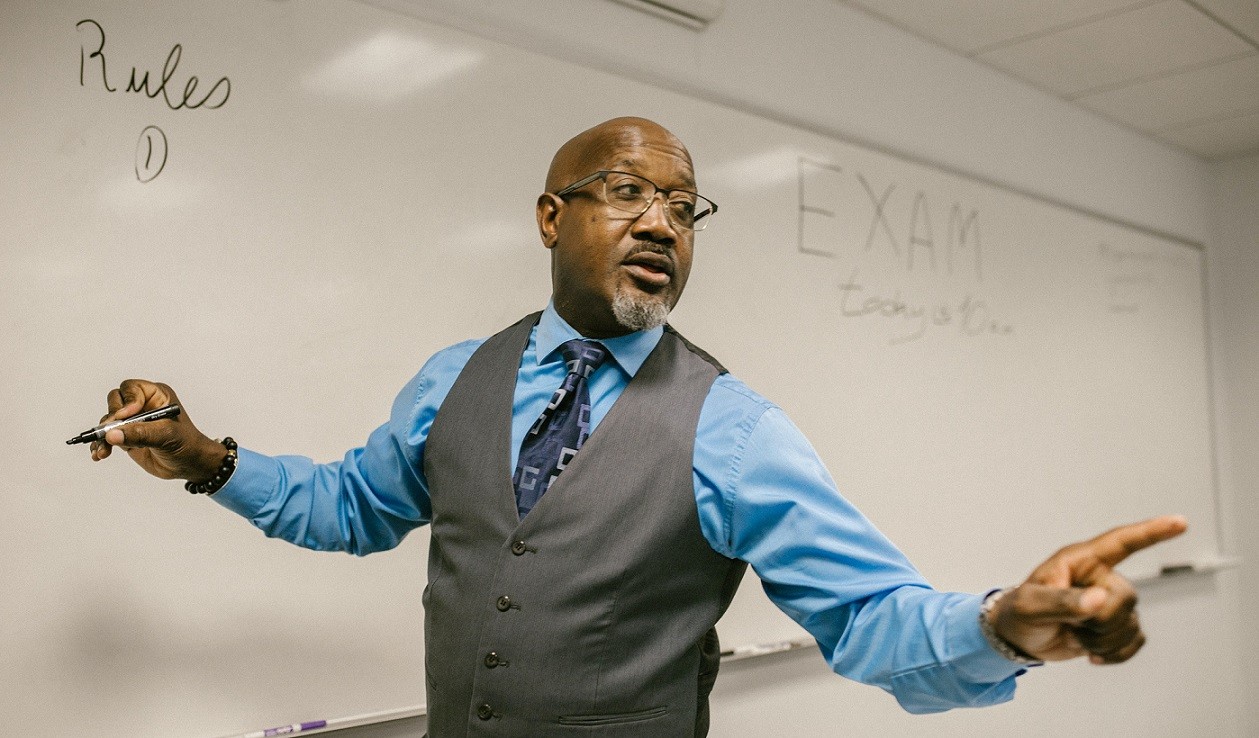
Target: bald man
point(565, 604)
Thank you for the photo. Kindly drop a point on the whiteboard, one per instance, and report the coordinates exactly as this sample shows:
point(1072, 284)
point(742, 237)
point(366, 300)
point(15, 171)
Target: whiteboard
point(346, 190)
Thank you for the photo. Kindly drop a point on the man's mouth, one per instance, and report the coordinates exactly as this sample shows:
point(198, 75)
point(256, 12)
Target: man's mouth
point(650, 268)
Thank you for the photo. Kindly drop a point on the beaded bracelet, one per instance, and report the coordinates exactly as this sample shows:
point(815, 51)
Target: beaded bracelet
point(215, 483)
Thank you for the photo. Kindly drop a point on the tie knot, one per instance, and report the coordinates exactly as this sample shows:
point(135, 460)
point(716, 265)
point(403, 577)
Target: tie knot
point(583, 357)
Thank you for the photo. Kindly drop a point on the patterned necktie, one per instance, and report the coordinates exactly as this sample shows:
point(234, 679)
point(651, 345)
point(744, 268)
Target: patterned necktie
point(561, 429)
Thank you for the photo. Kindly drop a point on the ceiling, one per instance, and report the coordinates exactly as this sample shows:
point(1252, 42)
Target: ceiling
point(1185, 72)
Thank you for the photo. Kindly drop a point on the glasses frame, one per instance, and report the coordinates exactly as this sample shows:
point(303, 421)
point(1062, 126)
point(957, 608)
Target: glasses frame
point(602, 174)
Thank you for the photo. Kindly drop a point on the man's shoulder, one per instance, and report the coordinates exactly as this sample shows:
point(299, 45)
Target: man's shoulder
point(443, 367)
point(431, 383)
point(732, 395)
point(453, 357)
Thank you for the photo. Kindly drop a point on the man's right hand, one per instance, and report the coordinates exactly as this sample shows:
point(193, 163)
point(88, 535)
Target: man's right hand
point(169, 449)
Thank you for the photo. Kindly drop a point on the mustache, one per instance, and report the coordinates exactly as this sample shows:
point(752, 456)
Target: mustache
point(650, 247)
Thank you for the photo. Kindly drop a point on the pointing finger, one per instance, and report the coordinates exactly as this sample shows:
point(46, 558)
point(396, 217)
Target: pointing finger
point(1117, 544)
point(1089, 562)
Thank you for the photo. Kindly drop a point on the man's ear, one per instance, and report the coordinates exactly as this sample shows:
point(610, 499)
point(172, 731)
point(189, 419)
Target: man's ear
point(550, 208)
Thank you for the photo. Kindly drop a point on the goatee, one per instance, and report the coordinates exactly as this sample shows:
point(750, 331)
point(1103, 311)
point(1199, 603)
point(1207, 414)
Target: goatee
point(638, 312)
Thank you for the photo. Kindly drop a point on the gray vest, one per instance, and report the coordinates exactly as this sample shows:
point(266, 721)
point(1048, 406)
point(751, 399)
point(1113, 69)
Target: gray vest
point(595, 614)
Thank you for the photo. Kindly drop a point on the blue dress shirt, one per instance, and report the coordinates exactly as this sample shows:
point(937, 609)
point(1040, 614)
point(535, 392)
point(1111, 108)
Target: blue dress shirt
point(763, 496)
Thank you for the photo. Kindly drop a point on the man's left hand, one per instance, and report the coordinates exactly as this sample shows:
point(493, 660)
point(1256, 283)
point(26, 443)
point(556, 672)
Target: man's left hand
point(1075, 603)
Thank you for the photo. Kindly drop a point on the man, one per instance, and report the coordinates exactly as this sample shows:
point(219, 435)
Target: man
point(585, 600)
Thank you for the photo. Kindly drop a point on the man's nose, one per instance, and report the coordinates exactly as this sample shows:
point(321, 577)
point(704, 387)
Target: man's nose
point(654, 223)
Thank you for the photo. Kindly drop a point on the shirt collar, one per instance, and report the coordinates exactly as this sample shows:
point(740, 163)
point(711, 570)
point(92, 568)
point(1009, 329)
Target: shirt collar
point(630, 351)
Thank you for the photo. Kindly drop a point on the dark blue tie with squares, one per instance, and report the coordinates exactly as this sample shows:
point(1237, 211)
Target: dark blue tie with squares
point(561, 429)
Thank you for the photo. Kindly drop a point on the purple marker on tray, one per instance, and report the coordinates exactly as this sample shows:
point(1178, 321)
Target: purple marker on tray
point(290, 729)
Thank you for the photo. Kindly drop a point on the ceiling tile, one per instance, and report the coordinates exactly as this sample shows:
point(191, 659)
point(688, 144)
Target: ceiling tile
point(1220, 139)
point(971, 25)
point(1201, 94)
point(1141, 43)
point(1241, 15)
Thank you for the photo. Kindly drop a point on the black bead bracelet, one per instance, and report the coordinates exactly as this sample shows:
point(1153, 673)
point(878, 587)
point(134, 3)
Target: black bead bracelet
point(215, 483)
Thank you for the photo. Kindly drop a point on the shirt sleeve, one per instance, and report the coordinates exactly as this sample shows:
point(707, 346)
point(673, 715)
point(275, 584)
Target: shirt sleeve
point(364, 503)
point(766, 497)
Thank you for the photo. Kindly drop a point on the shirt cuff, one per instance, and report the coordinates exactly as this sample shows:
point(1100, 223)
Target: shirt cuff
point(251, 485)
point(973, 656)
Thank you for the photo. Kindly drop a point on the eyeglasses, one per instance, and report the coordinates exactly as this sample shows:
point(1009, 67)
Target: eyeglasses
point(633, 194)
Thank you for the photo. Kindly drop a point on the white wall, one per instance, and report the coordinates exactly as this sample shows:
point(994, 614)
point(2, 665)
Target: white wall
point(1235, 264)
point(824, 66)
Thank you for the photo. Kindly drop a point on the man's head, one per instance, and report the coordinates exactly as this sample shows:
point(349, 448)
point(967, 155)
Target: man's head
point(615, 272)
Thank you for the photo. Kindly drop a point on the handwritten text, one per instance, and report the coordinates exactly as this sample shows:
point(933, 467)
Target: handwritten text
point(969, 316)
point(92, 50)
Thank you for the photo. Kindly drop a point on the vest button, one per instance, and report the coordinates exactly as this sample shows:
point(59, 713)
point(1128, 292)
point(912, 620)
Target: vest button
point(518, 548)
point(485, 712)
point(503, 604)
point(491, 659)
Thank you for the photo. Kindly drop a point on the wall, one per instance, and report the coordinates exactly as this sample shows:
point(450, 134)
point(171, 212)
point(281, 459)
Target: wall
point(826, 67)
point(1235, 262)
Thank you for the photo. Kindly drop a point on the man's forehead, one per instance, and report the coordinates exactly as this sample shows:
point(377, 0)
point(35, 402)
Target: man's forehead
point(672, 168)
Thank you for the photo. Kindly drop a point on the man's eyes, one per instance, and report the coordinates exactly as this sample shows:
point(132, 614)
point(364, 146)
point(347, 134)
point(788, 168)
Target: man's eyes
point(627, 191)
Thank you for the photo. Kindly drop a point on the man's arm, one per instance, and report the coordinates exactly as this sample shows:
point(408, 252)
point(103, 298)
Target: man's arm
point(765, 497)
point(366, 502)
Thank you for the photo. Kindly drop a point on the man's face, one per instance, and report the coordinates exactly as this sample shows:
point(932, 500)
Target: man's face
point(610, 268)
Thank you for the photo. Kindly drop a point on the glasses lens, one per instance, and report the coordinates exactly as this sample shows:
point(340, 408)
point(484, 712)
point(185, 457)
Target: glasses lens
point(682, 209)
point(633, 194)
point(628, 192)
point(696, 213)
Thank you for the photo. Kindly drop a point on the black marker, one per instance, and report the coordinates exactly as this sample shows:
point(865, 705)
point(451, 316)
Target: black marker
point(98, 433)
